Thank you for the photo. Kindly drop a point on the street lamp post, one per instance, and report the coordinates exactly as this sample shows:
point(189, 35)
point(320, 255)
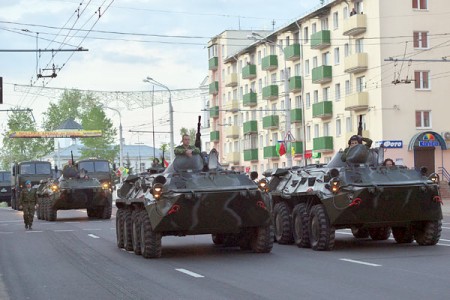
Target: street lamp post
point(287, 103)
point(120, 138)
point(171, 145)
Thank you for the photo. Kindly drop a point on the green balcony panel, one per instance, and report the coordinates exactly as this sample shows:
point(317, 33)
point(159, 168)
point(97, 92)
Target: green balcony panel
point(296, 115)
point(323, 109)
point(322, 74)
point(270, 62)
point(271, 152)
point(298, 147)
point(214, 136)
point(250, 99)
point(214, 88)
point(251, 154)
point(270, 122)
point(270, 92)
point(323, 144)
point(213, 63)
point(214, 112)
point(250, 127)
point(292, 52)
point(295, 84)
point(249, 71)
point(320, 39)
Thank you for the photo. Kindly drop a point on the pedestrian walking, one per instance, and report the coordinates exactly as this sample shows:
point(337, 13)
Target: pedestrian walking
point(27, 201)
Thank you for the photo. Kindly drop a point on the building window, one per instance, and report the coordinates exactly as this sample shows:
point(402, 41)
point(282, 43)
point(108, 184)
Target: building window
point(359, 46)
point(308, 100)
point(336, 20)
point(308, 133)
point(348, 124)
point(420, 40)
point(337, 91)
point(346, 50)
point(316, 96)
point(422, 80)
point(307, 67)
point(348, 88)
point(423, 119)
point(305, 35)
point(259, 57)
point(345, 12)
point(360, 84)
point(338, 127)
point(316, 130)
point(420, 4)
point(326, 93)
point(298, 101)
point(326, 59)
point(313, 28)
point(336, 56)
point(326, 129)
point(324, 23)
point(315, 64)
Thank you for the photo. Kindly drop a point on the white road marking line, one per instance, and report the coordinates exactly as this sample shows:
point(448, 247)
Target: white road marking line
point(444, 240)
point(63, 230)
point(92, 229)
point(73, 222)
point(445, 227)
point(34, 231)
point(187, 272)
point(12, 221)
point(360, 262)
point(443, 244)
point(93, 236)
point(346, 233)
point(5, 232)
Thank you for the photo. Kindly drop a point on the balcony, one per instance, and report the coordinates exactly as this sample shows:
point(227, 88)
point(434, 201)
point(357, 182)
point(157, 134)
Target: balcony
point(250, 99)
point(322, 74)
point(356, 63)
point(322, 109)
point(269, 63)
point(250, 127)
point(320, 40)
point(323, 144)
point(292, 52)
point(232, 106)
point(231, 80)
point(355, 25)
point(251, 155)
point(295, 84)
point(214, 136)
point(232, 132)
point(271, 152)
point(296, 115)
point(249, 71)
point(214, 88)
point(357, 101)
point(271, 122)
point(233, 158)
point(298, 147)
point(213, 63)
point(214, 112)
point(270, 92)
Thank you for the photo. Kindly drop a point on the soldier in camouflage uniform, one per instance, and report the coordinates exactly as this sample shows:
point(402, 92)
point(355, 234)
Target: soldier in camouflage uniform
point(28, 200)
point(185, 148)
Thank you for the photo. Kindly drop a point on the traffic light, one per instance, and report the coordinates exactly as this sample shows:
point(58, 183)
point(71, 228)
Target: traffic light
point(1, 90)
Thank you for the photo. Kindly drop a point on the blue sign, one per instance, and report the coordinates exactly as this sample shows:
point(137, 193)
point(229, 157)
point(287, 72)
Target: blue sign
point(428, 143)
point(391, 144)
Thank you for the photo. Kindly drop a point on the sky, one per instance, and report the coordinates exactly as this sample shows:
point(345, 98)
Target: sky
point(127, 41)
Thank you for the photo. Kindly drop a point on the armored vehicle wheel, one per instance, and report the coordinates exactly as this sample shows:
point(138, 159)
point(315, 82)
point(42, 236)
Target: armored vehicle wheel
point(262, 239)
point(380, 233)
point(150, 240)
point(39, 209)
point(282, 221)
point(217, 238)
point(44, 209)
point(402, 235)
point(51, 212)
point(231, 240)
point(92, 212)
point(300, 221)
point(127, 231)
point(245, 238)
point(360, 232)
point(105, 212)
point(136, 231)
point(321, 233)
point(119, 228)
point(428, 233)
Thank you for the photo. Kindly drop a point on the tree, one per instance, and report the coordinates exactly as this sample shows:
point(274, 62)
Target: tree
point(191, 132)
point(20, 149)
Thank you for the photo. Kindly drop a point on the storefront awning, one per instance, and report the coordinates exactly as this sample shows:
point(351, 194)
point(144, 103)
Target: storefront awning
point(427, 139)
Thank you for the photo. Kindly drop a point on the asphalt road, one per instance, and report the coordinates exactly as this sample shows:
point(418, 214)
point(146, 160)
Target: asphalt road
point(77, 258)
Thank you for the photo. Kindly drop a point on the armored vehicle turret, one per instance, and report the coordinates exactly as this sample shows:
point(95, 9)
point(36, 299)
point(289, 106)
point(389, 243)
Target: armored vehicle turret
point(193, 195)
point(311, 202)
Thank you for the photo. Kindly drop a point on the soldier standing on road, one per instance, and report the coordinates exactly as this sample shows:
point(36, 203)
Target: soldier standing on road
point(185, 148)
point(27, 201)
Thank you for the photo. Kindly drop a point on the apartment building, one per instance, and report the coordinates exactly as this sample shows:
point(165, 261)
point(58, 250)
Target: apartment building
point(306, 86)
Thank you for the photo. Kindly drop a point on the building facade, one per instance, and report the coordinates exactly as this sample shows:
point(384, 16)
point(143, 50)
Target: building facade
point(307, 86)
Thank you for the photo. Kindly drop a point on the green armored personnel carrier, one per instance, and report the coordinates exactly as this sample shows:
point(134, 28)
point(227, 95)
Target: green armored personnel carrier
point(361, 194)
point(5, 187)
point(74, 190)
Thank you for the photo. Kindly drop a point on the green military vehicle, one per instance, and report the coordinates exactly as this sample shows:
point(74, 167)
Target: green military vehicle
point(98, 168)
point(5, 187)
point(35, 171)
point(361, 194)
point(77, 189)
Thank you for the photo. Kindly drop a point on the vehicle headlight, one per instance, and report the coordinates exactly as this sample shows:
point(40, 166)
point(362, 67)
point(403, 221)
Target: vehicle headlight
point(263, 185)
point(157, 190)
point(105, 186)
point(335, 185)
point(434, 178)
point(54, 187)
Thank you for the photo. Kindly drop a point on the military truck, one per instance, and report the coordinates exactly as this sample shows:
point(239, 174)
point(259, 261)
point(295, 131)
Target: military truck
point(5, 187)
point(193, 196)
point(98, 168)
point(35, 171)
point(373, 200)
point(74, 190)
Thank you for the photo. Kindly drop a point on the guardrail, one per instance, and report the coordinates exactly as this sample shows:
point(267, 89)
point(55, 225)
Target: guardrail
point(444, 174)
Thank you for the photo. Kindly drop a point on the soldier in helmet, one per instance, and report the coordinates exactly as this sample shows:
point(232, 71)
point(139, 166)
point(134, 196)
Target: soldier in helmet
point(353, 141)
point(28, 200)
point(185, 148)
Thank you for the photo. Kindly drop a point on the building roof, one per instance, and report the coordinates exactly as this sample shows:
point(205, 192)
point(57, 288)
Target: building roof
point(69, 124)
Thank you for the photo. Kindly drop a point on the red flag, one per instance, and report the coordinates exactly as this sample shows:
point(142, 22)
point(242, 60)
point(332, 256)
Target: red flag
point(282, 150)
point(166, 164)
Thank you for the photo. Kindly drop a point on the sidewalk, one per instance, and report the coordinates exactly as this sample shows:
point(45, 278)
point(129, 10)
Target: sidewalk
point(446, 206)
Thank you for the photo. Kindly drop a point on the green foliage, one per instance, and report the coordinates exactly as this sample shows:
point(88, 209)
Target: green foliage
point(191, 132)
